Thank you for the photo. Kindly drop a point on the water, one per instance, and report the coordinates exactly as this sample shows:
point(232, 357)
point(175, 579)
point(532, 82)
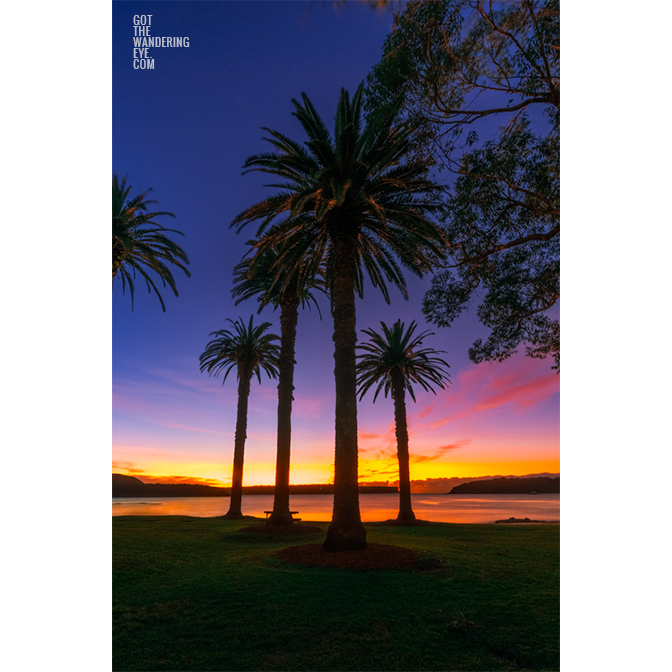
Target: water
point(439, 508)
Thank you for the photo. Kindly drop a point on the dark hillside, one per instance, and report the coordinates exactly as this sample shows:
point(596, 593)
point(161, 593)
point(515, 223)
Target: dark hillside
point(508, 486)
point(128, 486)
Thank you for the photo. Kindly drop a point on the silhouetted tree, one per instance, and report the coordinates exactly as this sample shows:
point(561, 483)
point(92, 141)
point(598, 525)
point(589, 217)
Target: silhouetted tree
point(249, 350)
point(350, 200)
point(394, 360)
point(139, 243)
point(272, 283)
point(457, 67)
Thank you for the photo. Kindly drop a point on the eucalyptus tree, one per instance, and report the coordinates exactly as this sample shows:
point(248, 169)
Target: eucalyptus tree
point(481, 80)
point(354, 200)
point(261, 277)
point(393, 361)
point(249, 350)
point(140, 244)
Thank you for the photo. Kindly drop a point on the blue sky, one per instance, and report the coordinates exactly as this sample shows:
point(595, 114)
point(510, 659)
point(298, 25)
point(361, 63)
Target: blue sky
point(185, 129)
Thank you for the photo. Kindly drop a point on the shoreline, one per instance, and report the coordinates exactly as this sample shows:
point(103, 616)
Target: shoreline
point(465, 509)
point(385, 523)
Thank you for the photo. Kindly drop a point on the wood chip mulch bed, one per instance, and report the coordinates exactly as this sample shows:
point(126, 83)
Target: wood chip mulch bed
point(373, 556)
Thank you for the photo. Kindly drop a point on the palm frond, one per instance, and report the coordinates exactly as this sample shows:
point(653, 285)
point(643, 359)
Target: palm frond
point(396, 351)
point(277, 275)
point(244, 347)
point(359, 176)
point(140, 244)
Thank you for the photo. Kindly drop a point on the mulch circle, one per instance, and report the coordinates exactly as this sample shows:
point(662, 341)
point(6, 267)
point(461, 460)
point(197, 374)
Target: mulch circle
point(373, 556)
point(281, 529)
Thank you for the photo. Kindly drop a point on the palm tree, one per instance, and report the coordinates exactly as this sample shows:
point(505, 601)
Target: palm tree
point(250, 350)
point(394, 361)
point(348, 199)
point(139, 243)
point(260, 278)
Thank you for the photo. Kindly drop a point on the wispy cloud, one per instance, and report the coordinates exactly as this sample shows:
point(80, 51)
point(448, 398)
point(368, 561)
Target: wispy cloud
point(174, 425)
point(426, 410)
point(386, 439)
point(161, 398)
point(453, 446)
point(416, 459)
point(370, 472)
point(128, 467)
point(369, 436)
point(517, 383)
point(308, 407)
point(440, 451)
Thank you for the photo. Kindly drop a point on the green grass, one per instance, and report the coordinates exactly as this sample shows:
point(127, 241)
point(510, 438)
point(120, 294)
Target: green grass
point(196, 594)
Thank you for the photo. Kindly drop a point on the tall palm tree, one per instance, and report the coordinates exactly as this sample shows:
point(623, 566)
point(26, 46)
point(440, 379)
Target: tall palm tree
point(350, 200)
point(140, 244)
point(394, 361)
point(249, 350)
point(261, 278)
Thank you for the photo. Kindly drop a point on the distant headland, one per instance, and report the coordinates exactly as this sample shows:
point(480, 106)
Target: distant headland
point(129, 486)
point(509, 486)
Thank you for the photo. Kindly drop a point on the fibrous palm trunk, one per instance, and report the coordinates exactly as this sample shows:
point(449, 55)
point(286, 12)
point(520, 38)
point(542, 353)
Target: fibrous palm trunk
point(346, 531)
point(289, 315)
point(406, 514)
point(244, 378)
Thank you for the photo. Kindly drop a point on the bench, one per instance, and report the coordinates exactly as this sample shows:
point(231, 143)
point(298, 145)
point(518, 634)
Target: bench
point(292, 513)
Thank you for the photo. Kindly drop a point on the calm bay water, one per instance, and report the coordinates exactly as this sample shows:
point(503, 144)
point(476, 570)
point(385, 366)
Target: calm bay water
point(439, 508)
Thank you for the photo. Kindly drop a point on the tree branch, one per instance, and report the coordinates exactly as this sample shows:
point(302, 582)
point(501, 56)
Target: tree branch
point(538, 237)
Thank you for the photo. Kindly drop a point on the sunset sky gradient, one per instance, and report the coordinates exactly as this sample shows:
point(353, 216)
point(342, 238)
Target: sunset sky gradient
point(185, 129)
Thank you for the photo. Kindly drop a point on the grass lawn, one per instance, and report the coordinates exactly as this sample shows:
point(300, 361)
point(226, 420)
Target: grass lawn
point(197, 594)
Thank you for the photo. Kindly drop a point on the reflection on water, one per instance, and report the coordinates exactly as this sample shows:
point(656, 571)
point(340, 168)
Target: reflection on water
point(440, 508)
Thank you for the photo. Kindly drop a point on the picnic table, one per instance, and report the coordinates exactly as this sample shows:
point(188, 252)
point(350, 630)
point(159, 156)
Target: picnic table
point(292, 513)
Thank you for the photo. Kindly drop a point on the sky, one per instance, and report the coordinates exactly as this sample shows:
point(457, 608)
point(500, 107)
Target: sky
point(185, 128)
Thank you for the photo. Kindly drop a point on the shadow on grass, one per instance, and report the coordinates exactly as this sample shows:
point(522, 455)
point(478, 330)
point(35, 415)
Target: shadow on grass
point(281, 531)
point(261, 534)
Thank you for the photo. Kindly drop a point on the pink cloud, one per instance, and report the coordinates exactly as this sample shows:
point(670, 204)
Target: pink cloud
point(519, 382)
point(440, 451)
point(308, 407)
point(454, 446)
point(426, 410)
point(388, 437)
point(441, 423)
point(369, 436)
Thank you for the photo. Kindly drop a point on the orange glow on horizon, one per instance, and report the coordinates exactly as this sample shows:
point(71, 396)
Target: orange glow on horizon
point(386, 471)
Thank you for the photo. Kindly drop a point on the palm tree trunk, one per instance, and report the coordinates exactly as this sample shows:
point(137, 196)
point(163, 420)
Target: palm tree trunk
point(346, 531)
point(289, 316)
point(244, 378)
point(406, 514)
